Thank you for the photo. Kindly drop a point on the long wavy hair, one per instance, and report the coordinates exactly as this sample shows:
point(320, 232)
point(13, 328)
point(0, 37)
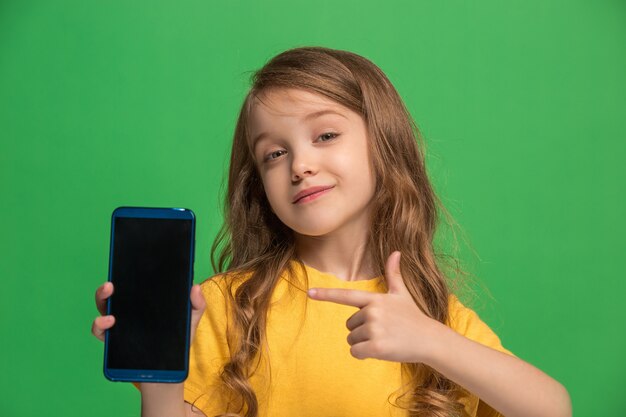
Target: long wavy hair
point(404, 217)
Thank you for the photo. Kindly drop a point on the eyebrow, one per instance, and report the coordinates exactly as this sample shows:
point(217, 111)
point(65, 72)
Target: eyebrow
point(307, 118)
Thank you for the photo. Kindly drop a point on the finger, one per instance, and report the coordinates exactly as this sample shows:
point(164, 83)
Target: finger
point(356, 319)
point(100, 325)
point(358, 335)
point(198, 305)
point(342, 296)
point(102, 294)
point(392, 273)
point(361, 350)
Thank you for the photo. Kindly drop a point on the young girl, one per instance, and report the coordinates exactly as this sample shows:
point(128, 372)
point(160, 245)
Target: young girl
point(332, 302)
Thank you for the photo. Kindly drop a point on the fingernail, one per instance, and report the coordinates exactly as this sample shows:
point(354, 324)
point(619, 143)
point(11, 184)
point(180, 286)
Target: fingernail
point(312, 292)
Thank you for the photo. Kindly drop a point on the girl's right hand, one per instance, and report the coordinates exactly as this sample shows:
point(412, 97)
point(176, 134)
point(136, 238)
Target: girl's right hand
point(156, 399)
point(104, 322)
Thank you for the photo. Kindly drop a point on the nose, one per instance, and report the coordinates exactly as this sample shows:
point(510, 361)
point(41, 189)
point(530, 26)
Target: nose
point(302, 166)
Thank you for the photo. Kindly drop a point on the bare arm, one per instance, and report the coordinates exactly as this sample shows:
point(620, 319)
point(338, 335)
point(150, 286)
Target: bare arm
point(508, 384)
point(162, 400)
point(392, 327)
point(165, 400)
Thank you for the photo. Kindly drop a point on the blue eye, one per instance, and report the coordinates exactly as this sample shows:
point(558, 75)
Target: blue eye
point(327, 136)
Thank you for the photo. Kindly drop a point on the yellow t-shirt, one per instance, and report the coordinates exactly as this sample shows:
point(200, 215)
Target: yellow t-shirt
point(311, 370)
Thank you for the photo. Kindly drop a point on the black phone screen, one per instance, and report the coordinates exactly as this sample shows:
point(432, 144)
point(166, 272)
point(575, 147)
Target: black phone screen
point(151, 275)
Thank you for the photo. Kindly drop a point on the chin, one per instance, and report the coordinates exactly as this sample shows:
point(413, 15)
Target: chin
point(313, 229)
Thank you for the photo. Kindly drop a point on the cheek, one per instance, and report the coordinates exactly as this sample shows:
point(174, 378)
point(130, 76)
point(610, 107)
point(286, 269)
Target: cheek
point(355, 165)
point(273, 191)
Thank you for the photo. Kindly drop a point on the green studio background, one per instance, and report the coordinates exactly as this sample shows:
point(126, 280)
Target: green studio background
point(115, 103)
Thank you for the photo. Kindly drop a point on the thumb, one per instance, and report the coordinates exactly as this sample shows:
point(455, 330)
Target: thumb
point(198, 304)
point(393, 275)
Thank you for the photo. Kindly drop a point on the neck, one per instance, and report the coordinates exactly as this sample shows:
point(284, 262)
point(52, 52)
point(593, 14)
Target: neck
point(343, 254)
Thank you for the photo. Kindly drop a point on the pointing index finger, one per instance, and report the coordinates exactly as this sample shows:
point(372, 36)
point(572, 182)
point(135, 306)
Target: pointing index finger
point(344, 296)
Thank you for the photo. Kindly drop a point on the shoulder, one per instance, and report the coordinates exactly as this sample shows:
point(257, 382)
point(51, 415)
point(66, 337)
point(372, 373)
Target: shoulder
point(215, 291)
point(457, 312)
point(468, 323)
point(460, 317)
point(222, 283)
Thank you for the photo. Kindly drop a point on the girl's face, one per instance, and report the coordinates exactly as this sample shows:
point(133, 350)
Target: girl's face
point(313, 159)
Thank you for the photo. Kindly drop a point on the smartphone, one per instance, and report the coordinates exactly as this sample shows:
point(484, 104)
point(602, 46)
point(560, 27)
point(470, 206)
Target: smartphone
point(151, 267)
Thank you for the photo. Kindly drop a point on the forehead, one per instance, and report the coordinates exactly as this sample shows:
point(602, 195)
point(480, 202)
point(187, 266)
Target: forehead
point(288, 103)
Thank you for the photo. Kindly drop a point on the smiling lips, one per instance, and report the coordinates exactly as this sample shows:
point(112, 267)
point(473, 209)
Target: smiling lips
point(311, 194)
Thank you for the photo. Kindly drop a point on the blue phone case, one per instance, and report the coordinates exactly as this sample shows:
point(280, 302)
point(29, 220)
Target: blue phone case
point(133, 357)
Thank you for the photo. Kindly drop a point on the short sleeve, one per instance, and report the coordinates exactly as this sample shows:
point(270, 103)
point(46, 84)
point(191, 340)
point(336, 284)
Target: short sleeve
point(466, 322)
point(209, 352)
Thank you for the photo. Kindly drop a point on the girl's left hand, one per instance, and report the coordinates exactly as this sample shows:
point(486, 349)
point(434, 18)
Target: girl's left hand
point(387, 326)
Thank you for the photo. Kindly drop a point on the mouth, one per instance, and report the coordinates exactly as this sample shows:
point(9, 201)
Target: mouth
point(311, 194)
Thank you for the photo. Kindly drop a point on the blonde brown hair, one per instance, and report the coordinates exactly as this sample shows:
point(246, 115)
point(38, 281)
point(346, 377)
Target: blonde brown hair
point(404, 217)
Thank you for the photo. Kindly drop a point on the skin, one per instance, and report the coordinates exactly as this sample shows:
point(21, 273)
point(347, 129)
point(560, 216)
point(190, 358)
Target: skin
point(157, 400)
point(297, 152)
point(391, 327)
